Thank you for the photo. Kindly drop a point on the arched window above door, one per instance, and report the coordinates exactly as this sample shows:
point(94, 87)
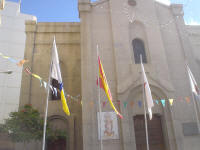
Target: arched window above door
point(139, 49)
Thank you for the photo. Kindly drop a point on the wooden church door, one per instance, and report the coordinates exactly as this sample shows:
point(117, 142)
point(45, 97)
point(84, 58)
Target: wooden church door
point(155, 134)
point(59, 144)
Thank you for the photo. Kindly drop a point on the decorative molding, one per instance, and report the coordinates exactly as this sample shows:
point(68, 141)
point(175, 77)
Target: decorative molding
point(132, 2)
point(84, 6)
point(98, 2)
point(177, 9)
point(130, 83)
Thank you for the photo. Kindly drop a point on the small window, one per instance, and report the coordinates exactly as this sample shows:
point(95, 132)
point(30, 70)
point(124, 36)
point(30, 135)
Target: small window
point(139, 49)
point(55, 95)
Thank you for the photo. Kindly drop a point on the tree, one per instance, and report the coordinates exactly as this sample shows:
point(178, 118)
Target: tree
point(27, 125)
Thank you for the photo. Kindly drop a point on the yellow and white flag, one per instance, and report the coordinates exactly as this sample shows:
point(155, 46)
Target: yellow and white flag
point(147, 90)
point(56, 74)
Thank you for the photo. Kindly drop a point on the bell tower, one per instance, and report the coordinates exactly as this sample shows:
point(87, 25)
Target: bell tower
point(83, 5)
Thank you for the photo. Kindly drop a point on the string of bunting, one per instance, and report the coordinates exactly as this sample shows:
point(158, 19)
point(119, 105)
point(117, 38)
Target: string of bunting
point(20, 63)
point(140, 102)
point(43, 83)
point(55, 91)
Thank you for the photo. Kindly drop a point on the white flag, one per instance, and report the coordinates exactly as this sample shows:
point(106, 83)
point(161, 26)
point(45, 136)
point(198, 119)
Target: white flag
point(193, 82)
point(147, 90)
point(56, 74)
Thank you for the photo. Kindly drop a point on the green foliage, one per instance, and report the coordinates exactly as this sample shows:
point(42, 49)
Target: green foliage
point(56, 134)
point(27, 125)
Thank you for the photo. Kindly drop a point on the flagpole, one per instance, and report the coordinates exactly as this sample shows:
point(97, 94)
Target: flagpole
point(145, 116)
point(99, 99)
point(47, 103)
point(193, 100)
point(20, 2)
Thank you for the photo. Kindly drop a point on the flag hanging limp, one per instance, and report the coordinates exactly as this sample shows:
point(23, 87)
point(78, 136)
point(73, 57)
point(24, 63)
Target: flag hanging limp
point(104, 83)
point(148, 95)
point(193, 83)
point(56, 74)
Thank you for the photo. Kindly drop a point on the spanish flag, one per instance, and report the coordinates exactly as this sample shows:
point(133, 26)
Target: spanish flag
point(56, 74)
point(104, 83)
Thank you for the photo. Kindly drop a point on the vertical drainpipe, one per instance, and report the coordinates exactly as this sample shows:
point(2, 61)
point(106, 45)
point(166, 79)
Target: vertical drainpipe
point(33, 53)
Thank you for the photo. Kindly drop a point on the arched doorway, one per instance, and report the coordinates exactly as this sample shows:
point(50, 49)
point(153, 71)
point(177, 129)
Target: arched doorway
point(135, 121)
point(58, 123)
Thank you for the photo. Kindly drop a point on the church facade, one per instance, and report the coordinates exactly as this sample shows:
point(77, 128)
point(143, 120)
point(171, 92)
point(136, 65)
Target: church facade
point(122, 29)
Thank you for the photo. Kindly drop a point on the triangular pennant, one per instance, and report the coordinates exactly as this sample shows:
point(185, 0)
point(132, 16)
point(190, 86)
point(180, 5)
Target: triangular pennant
point(27, 70)
point(118, 102)
point(125, 104)
point(40, 82)
point(91, 103)
point(12, 60)
point(45, 84)
point(163, 102)
point(36, 76)
point(132, 103)
point(104, 103)
point(21, 62)
point(187, 99)
point(6, 57)
point(140, 104)
point(171, 101)
point(157, 102)
point(180, 99)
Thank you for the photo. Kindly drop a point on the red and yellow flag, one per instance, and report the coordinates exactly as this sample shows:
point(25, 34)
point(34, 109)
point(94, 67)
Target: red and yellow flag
point(106, 88)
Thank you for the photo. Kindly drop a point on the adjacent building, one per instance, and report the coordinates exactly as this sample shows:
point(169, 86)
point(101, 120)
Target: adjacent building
point(124, 30)
point(12, 44)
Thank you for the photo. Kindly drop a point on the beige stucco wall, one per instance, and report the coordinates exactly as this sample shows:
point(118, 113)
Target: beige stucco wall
point(167, 46)
point(38, 49)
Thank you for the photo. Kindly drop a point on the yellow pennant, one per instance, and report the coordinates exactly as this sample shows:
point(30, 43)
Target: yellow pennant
point(36, 76)
point(6, 57)
point(64, 103)
point(171, 101)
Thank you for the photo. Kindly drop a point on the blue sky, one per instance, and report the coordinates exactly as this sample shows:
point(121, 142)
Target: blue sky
point(66, 10)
